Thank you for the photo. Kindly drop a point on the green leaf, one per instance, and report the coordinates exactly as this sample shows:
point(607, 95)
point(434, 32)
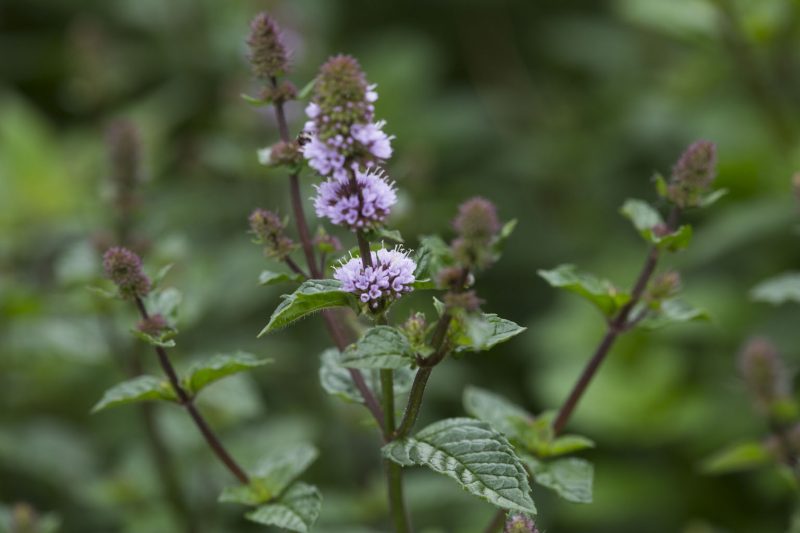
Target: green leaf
point(662, 188)
point(780, 289)
point(110, 294)
point(432, 255)
point(297, 510)
point(499, 243)
point(164, 302)
point(138, 389)
point(164, 340)
point(478, 458)
point(203, 373)
point(600, 292)
point(646, 220)
point(494, 410)
point(336, 380)
point(158, 279)
point(272, 278)
point(380, 234)
point(744, 456)
point(570, 478)
point(312, 296)
point(305, 92)
point(712, 197)
point(423, 285)
point(484, 332)
point(380, 347)
point(674, 311)
point(566, 444)
point(272, 475)
point(253, 101)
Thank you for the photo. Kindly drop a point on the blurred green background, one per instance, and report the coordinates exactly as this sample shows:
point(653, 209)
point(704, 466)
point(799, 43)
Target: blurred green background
point(556, 111)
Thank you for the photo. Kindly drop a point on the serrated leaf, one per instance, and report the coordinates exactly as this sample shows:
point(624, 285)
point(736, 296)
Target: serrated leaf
point(380, 347)
point(296, 510)
point(272, 475)
point(477, 457)
point(312, 296)
point(646, 220)
point(138, 389)
point(494, 410)
point(601, 293)
point(268, 277)
point(674, 311)
point(485, 331)
point(780, 289)
point(203, 373)
point(570, 478)
point(336, 380)
point(432, 255)
point(744, 456)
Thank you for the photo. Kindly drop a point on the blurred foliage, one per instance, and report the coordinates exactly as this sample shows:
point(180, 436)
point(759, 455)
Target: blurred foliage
point(557, 111)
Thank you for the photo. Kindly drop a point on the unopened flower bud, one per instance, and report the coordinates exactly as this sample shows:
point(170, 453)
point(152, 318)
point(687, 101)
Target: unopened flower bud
point(764, 373)
point(415, 328)
point(477, 220)
point(520, 523)
point(664, 286)
point(286, 153)
point(693, 174)
point(124, 268)
point(153, 326)
point(325, 242)
point(268, 229)
point(268, 55)
point(283, 92)
point(468, 301)
point(124, 150)
point(450, 278)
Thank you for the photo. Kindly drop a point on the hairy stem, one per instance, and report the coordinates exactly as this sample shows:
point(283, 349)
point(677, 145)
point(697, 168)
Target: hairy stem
point(615, 327)
point(394, 473)
point(363, 248)
point(187, 402)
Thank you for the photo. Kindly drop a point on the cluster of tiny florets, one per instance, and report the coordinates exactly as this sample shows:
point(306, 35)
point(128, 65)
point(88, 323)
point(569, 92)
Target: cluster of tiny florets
point(268, 229)
point(519, 523)
point(359, 202)
point(693, 174)
point(124, 268)
point(664, 286)
point(268, 55)
point(154, 325)
point(764, 372)
point(343, 133)
point(477, 226)
point(390, 276)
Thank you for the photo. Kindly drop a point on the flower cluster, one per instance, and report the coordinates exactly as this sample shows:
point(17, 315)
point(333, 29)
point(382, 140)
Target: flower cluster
point(268, 55)
point(124, 268)
point(764, 373)
point(693, 174)
point(361, 202)
point(519, 523)
point(477, 226)
point(390, 276)
point(343, 133)
point(268, 229)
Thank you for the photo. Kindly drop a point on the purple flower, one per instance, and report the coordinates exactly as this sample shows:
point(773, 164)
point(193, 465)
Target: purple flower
point(389, 277)
point(344, 135)
point(124, 268)
point(357, 203)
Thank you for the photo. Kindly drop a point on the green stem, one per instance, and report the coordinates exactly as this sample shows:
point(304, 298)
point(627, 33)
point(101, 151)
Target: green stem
point(394, 472)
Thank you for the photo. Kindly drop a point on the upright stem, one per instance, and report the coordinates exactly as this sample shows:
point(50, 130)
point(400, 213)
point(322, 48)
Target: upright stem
point(394, 473)
point(186, 401)
point(615, 327)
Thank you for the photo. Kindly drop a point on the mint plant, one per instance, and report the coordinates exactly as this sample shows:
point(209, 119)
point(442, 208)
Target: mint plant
point(382, 360)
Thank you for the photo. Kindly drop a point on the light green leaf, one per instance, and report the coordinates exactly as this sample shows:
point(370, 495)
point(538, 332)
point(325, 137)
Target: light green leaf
point(477, 457)
point(494, 410)
point(163, 340)
point(297, 510)
point(662, 188)
point(712, 197)
point(423, 285)
point(674, 311)
point(265, 156)
point(307, 89)
point(110, 294)
point(484, 332)
point(138, 389)
point(164, 302)
point(158, 279)
point(380, 347)
point(271, 278)
point(381, 234)
point(646, 219)
point(203, 373)
point(743, 456)
point(253, 101)
point(499, 243)
point(272, 475)
point(336, 380)
point(570, 478)
point(566, 444)
point(312, 296)
point(600, 292)
point(432, 255)
point(780, 289)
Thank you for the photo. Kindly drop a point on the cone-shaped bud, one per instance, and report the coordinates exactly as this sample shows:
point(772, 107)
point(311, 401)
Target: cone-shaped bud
point(663, 287)
point(693, 174)
point(153, 326)
point(124, 268)
point(477, 226)
point(467, 301)
point(764, 373)
point(415, 329)
point(268, 229)
point(520, 523)
point(268, 55)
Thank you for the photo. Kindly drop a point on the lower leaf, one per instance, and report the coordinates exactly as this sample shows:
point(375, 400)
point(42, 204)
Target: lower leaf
point(296, 510)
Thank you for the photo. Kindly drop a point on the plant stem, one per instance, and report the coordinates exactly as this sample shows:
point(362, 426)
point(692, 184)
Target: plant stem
point(331, 323)
point(187, 402)
point(394, 473)
point(615, 327)
point(498, 520)
point(363, 248)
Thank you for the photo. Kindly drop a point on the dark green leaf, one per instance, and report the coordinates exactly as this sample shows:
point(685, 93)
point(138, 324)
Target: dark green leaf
point(494, 410)
point(164, 340)
point(138, 389)
point(469, 451)
point(380, 347)
point(647, 220)
point(432, 255)
point(204, 373)
point(600, 292)
point(780, 289)
point(570, 478)
point(310, 297)
point(268, 277)
point(296, 510)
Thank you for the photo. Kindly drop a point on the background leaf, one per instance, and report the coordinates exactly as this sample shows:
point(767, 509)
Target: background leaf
point(570, 478)
point(203, 373)
point(296, 510)
point(600, 292)
point(380, 347)
point(138, 389)
point(780, 289)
